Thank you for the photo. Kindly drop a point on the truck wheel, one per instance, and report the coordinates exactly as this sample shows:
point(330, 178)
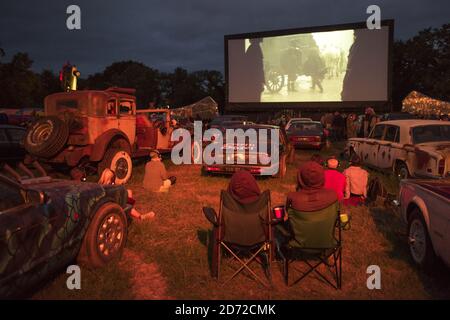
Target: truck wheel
point(282, 169)
point(46, 137)
point(401, 171)
point(105, 236)
point(119, 161)
point(420, 245)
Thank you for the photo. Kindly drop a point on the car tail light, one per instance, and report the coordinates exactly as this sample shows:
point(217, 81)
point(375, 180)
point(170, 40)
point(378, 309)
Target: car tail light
point(212, 169)
point(255, 170)
point(441, 166)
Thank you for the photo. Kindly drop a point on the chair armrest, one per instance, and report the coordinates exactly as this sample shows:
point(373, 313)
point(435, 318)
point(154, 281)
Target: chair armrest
point(275, 221)
point(286, 232)
point(211, 215)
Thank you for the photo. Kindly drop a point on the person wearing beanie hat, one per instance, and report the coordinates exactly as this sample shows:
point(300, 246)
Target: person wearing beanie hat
point(356, 182)
point(155, 176)
point(311, 194)
point(334, 179)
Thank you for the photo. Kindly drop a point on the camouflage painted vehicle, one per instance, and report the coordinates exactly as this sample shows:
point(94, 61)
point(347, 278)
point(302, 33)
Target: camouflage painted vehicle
point(100, 129)
point(46, 224)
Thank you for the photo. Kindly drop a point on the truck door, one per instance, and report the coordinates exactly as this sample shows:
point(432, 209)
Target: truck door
point(146, 133)
point(388, 147)
point(371, 146)
point(127, 118)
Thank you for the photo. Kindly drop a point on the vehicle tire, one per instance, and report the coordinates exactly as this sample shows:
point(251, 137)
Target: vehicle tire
point(105, 237)
point(401, 171)
point(119, 161)
point(282, 169)
point(419, 241)
point(46, 137)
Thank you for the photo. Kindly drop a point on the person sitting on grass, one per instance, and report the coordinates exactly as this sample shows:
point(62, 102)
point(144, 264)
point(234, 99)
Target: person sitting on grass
point(356, 182)
point(155, 176)
point(334, 179)
point(108, 177)
point(243, 187)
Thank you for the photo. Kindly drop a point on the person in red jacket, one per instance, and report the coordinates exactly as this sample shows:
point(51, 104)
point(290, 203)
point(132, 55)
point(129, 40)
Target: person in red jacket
point(334, 179)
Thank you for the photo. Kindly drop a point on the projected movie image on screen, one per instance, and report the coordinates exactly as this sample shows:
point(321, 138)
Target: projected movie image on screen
point(330, 66)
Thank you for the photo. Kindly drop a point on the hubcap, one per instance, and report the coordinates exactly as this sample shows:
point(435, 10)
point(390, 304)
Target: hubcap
point(417, 241)
point(121, 168)
point(110, 235)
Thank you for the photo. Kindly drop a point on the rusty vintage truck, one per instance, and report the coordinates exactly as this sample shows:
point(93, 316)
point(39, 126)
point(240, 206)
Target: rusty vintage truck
point(98, 127)
point(409, 148)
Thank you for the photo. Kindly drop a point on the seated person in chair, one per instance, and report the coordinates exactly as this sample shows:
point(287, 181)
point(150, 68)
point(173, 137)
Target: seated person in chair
point(311, 194)
point(243, 187)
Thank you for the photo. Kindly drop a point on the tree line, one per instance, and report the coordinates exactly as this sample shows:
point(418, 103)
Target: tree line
point(421, 63)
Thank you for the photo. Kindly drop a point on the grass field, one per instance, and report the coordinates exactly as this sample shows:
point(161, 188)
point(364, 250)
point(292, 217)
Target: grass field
point(167, 257)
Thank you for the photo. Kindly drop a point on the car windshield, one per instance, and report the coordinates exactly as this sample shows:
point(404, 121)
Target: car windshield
point(431, 133)
point(305, 126)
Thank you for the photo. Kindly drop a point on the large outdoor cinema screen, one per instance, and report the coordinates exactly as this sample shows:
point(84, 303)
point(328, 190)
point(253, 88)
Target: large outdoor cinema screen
point(346, 63)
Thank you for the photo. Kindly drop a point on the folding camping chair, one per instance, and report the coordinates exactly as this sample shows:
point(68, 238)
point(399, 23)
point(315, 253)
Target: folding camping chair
point(313, 238)
point(244, 232)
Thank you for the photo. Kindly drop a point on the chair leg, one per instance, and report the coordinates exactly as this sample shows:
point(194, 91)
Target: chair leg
point(286, 271)
point(340, 268)
point(219, 258)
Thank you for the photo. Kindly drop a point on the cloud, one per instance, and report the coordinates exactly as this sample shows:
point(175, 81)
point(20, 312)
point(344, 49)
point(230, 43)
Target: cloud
point(170, 33)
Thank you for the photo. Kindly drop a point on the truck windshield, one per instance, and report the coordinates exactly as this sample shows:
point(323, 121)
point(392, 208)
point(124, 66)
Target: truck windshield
point(431, 133)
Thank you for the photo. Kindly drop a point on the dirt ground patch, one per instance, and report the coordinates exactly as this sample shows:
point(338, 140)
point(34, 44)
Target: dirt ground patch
point(147, 282)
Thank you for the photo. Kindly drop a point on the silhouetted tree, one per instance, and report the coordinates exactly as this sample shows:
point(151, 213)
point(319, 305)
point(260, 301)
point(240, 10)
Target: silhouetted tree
point(422, 63)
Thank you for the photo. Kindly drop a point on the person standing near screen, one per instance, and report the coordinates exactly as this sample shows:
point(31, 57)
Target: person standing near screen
point(315, 67)
point(254, 73)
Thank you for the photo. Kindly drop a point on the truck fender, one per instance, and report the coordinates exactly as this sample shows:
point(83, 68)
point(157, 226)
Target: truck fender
point(102, 143)
point(423, 208)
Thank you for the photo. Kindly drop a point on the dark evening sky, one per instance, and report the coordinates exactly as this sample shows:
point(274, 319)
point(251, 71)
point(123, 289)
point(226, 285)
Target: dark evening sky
point(165, 34)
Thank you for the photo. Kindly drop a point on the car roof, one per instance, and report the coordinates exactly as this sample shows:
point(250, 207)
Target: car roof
point(415, 122)
point(248, 126)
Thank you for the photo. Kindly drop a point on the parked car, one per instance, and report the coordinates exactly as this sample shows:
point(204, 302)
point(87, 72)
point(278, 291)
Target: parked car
point(309, 134)
point(100, 128)
point(425, 207)
point(11, 143)
point(286, 153)
point(217, 121)
point(295, 120)
point(397, 116)
point(45, 224)
point(410, 148)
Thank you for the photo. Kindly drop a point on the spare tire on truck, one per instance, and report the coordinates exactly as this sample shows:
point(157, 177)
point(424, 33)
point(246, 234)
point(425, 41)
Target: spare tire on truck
point(46, 137)
point(119, 161)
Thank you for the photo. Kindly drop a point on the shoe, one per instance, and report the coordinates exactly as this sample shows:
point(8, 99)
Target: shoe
point(147, 216)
